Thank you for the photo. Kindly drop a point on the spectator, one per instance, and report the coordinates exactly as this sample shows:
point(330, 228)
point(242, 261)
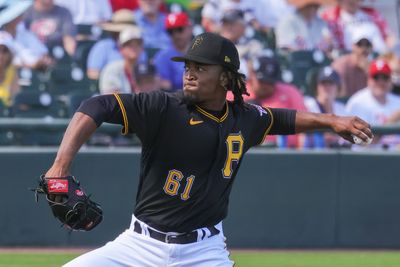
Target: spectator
point(269, 12)
point(326, 91)
point(87, 12)
point(346, 18)
point(233, 26)
point(52, 24)
point(393, 59)
point(304, 29)
point(131, 5)
point(151, 21)
point(353, 67)
point(119, 76)
point(267, 90)
point(170, 72)
point(146, 77)
point(97, 58)
point(214, 10)
point(28, 50)
point(375, 103)
point(124, 4)
point(8, 75)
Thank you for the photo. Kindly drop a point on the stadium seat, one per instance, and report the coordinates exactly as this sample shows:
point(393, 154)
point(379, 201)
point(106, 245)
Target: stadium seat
point(29, 79)
point(74, 99)
point(35, 104)
point(82, 52)
point(6, 137)
point(299, 63)
point(68, 78)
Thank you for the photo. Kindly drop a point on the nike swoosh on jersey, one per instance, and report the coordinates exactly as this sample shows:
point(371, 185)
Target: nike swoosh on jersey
point(193, 122)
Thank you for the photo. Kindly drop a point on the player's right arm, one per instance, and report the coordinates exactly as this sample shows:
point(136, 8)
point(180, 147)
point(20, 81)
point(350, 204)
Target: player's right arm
point(141, 112)
point(79, 130)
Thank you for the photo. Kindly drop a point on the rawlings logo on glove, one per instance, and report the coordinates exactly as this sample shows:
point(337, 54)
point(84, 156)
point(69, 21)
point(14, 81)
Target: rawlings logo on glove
point(69, 203)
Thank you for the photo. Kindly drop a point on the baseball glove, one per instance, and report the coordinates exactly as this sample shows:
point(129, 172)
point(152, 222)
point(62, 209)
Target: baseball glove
point(69, 203)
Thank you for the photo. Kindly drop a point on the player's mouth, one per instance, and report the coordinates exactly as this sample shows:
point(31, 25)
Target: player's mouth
point(190, 86)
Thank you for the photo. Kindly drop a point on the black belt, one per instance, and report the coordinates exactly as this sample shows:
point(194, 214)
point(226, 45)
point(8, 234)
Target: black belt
point(185, 238)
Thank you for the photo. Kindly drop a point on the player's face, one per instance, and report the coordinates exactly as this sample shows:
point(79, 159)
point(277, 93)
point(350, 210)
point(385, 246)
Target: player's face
point(202, 84)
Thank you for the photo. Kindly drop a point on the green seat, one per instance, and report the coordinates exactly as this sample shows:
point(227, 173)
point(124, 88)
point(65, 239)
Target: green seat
point(6, 137)
point(69, 78)
point(299, 63)
point(29, 79)
point(82, 52)
point(35, 104)
point(74, 100)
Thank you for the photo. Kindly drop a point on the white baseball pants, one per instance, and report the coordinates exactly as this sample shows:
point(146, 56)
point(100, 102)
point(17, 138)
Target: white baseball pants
point(131, 249)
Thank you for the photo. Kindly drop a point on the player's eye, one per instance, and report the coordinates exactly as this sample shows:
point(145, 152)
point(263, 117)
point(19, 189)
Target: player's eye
point(200, 68)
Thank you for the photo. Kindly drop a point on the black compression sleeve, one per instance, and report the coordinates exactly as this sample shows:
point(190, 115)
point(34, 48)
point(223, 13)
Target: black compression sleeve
point(284, 121)
point(101, 109)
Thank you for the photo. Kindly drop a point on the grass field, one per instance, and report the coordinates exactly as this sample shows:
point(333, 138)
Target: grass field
point(272, 258)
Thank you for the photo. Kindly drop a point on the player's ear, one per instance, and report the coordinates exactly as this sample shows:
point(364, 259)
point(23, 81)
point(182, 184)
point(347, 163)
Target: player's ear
point(223, 79)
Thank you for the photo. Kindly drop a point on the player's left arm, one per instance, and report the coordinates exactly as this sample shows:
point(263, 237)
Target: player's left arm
point(343, 126)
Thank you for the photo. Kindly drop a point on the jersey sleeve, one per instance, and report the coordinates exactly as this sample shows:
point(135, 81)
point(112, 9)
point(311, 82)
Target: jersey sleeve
point(262, 121)
point(141, 113)
point(271, 121)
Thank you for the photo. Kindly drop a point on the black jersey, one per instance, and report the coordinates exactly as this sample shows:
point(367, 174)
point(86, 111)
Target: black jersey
point(189, 156)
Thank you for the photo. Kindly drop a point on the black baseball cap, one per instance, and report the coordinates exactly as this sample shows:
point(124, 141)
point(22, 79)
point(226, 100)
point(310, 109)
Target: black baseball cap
point(267, 69)
point(328, 74)
point(213, 49)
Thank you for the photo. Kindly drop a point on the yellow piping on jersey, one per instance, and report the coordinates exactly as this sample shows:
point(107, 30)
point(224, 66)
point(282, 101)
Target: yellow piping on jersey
point(124, 116)
point(269, 127)
point(205, 113)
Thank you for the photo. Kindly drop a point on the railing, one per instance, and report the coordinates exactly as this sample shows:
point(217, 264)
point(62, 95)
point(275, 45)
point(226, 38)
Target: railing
point(51, 124)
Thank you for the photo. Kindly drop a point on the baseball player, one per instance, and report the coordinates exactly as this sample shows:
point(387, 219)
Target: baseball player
point(193, 142)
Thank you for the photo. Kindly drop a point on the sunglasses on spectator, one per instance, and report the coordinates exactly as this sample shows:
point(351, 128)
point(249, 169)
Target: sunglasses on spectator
point(177, 29)
point(382, 77)
point(364, 43)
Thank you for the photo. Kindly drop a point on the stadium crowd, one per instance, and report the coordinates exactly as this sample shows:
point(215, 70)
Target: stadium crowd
point(333, 56)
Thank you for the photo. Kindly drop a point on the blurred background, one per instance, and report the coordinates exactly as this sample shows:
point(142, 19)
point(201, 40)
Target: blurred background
point(328, 56)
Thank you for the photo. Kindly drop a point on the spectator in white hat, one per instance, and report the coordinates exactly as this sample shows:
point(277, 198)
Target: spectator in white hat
point(119, 76)
point(8, 76)
point(97, 59)
point(353, 67)
point(29, 51)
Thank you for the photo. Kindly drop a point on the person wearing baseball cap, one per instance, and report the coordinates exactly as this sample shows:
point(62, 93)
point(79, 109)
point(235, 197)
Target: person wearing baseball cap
point(193, 143)
point(376, 102)
point(179, 28)
point(267, 89)
point(353, 67)
point(324, 100)
point(119, 76)
point(97, 59)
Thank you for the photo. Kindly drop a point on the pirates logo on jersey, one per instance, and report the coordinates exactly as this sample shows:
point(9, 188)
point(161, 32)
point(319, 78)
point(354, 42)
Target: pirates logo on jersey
point(260, 110)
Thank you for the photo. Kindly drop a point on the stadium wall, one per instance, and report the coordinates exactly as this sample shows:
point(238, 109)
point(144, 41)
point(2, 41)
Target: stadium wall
point(281, 199)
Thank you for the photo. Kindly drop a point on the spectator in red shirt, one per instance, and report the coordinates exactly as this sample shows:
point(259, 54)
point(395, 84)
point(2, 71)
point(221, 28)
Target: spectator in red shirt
point(267, 90)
